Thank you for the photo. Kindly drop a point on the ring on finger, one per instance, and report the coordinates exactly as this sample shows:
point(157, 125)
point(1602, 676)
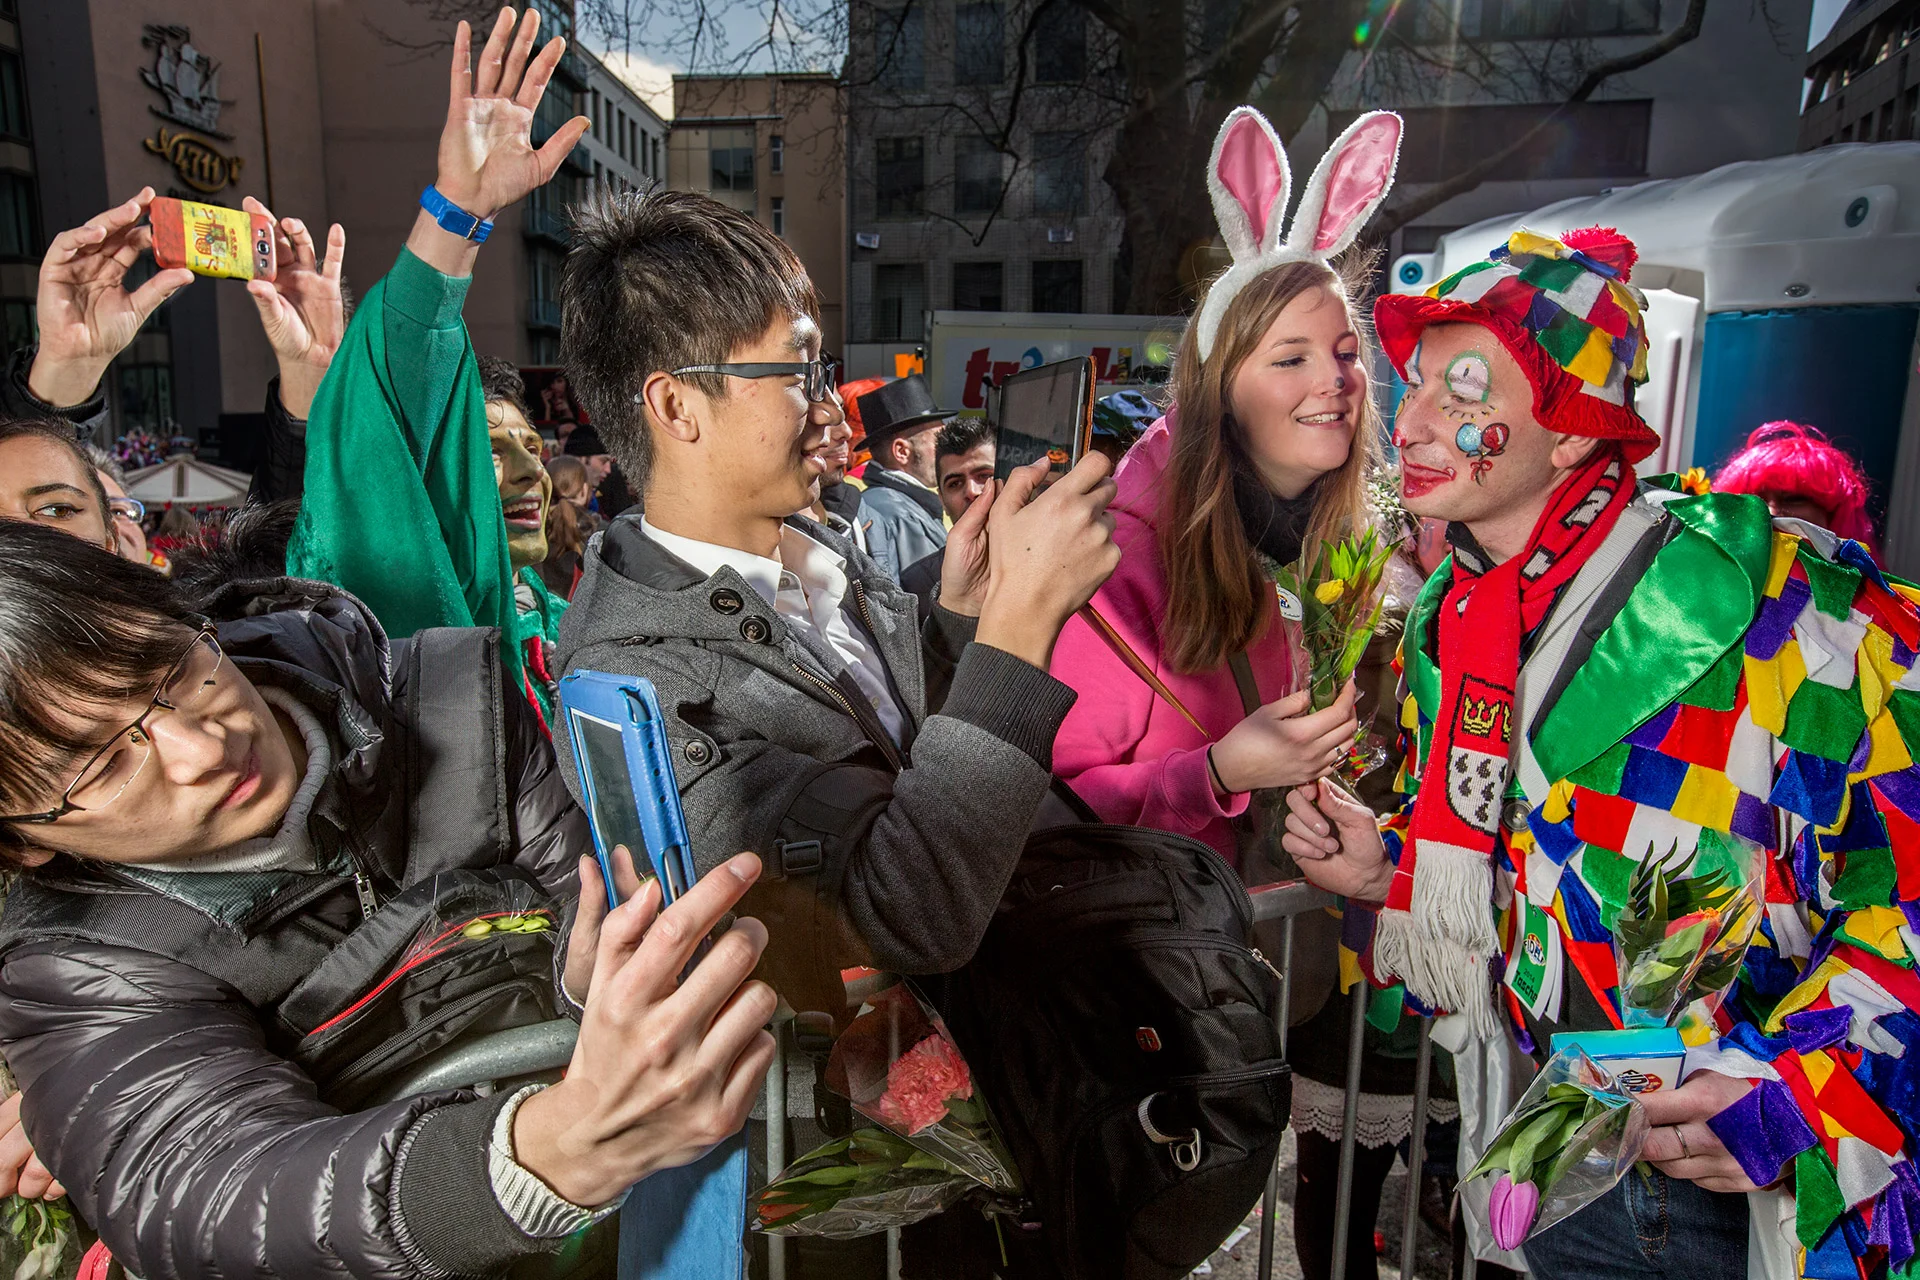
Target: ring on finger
point(1680, 1133)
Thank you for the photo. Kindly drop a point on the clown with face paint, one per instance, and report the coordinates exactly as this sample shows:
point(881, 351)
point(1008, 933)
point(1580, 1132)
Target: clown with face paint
point(1606, 666)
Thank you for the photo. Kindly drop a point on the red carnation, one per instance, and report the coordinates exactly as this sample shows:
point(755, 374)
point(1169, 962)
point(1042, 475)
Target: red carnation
point(920, 1082)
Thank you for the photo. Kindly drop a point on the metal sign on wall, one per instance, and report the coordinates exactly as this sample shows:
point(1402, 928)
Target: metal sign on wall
point(188, 80)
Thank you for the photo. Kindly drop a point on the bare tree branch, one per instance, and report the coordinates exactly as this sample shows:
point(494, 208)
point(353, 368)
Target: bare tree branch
point(1398, 214)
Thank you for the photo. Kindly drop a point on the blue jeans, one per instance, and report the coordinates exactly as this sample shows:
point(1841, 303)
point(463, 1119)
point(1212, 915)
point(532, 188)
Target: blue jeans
point(1659, 1227)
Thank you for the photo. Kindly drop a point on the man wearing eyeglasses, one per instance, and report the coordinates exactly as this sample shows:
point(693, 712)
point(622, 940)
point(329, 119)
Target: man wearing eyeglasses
point(893, 771)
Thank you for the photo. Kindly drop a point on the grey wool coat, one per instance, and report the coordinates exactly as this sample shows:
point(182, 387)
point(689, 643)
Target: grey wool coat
point(773, 748)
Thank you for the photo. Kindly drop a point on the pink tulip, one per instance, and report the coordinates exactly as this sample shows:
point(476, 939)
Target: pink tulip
point(1510, 1209)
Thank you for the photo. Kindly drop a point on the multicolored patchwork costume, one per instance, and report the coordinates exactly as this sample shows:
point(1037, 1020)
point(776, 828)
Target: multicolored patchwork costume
point(1734, 673)
point(1760, 680)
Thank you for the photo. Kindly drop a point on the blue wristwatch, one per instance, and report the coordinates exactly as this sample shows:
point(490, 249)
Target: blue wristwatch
point(451, 217)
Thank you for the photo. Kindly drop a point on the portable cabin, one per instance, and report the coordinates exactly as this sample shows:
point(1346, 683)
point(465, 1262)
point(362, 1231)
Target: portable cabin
point(1784, 288)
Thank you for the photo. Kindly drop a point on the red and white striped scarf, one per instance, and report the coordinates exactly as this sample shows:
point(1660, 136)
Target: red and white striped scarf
point(1437, 930)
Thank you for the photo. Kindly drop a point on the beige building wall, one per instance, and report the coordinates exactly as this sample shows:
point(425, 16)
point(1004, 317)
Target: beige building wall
point(805, 113)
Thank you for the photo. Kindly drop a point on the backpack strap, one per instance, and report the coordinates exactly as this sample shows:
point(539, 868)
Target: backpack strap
point(1243, 682)
point(452, 687)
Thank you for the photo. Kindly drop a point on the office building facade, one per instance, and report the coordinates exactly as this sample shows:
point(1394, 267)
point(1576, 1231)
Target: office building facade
point(1863, 78)
point(329, 110)
point(772, 146)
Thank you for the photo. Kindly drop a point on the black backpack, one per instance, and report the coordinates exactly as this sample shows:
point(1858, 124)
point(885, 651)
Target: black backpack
point(1123, 1031)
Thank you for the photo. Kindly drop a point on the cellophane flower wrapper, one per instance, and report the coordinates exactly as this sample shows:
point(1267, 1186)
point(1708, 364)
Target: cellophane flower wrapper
point(899, 1067)
point(860, 1185)
point(1572, 1136)
point(1336, 589)
point(1681, 938)
point(1679, 941)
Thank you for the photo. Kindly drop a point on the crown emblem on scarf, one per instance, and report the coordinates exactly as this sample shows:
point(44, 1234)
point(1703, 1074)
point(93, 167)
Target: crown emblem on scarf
point(1480, 717)
point(1572, 297)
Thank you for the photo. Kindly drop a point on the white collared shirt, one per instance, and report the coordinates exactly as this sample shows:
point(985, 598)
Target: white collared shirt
point(805, 586)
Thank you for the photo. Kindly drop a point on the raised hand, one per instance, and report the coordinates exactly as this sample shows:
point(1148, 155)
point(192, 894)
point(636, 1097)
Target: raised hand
point(301, 307)
point(85, 313)
point(487, 159)
point(1336, 841)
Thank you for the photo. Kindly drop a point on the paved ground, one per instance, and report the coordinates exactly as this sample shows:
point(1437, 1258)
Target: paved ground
point(1242, 1262)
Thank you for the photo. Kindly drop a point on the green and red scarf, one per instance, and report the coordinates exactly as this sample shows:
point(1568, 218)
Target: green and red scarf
point(1436, 932)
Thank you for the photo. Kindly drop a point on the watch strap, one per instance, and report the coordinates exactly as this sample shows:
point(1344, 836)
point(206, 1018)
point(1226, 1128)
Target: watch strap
point(451, 217)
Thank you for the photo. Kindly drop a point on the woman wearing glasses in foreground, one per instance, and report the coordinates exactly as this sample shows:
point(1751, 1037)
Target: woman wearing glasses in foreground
point(232, 842)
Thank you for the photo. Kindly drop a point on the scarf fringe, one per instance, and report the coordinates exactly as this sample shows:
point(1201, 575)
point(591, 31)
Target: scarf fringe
point(1440, 947)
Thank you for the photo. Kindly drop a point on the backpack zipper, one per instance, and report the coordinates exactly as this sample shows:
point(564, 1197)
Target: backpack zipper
point(369, 900)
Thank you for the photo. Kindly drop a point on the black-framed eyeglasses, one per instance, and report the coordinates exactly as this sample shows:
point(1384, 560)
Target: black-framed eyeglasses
point(188, 685)
point(821, 377)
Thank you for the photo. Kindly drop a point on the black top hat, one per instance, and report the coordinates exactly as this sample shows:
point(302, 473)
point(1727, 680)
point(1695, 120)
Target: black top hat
point(584, 442)
point(900, 406)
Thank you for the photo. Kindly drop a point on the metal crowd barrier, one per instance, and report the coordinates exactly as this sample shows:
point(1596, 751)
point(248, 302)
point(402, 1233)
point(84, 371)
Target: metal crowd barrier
point(1286, 902)
point(548, 1046)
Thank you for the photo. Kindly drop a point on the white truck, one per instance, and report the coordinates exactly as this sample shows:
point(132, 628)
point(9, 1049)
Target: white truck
point(970, 352)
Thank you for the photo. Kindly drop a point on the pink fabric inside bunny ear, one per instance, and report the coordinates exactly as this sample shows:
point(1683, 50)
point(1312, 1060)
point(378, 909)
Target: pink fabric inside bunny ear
point(1360, 175)
point(1250, 171)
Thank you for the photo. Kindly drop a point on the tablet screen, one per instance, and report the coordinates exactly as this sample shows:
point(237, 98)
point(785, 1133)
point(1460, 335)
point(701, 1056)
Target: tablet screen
point(614, 810)
point(1043, 414)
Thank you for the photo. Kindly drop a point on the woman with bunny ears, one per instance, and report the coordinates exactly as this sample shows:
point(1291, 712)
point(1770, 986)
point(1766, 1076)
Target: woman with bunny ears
point(1187, 718)
point(1187, 706)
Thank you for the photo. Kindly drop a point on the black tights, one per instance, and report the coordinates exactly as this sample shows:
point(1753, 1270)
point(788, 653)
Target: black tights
point(1315, 1191)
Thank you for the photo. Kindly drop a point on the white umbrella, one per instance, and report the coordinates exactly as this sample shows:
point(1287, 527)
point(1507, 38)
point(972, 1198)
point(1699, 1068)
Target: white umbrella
point(187, 481)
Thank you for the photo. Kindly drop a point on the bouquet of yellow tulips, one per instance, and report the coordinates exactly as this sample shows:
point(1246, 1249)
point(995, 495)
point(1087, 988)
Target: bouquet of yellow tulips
point(1330, 601)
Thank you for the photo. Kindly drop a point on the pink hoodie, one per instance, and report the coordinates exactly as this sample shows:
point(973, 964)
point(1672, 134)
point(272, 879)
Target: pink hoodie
point(1130, 755)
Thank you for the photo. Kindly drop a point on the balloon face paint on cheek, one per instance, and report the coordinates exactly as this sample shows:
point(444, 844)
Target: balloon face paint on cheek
point(1481, 445)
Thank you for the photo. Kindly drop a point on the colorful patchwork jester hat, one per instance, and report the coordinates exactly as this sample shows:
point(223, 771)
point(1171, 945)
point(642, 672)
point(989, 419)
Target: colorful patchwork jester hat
point(1249, 181)
point(1564, 310)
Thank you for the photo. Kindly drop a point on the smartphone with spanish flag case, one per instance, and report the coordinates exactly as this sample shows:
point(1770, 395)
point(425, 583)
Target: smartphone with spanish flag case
point(212, 241)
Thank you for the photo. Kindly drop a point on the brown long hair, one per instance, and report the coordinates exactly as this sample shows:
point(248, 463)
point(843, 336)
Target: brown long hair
point(566, 532)
point(1219, 601)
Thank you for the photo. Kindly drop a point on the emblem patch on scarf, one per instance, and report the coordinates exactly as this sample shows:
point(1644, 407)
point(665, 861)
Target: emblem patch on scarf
point(1477, 753)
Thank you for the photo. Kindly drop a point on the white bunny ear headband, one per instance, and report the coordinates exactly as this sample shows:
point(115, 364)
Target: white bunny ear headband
point(1248, 179)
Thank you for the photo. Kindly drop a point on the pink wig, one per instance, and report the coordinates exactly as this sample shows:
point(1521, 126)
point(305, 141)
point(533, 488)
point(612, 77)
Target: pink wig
point(1791, 458)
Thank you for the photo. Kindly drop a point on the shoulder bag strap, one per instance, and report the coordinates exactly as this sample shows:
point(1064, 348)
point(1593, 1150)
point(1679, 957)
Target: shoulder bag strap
point(1138, 665)
point(1242, 668)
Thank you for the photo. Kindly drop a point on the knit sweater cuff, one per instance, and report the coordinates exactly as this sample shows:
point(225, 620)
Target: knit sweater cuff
point(443, 1195)
point(1011, 699)
point(423, 295)
point(1188, 788)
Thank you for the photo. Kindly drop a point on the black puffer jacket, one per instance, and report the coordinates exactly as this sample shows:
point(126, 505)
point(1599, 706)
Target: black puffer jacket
point(154, 1090)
